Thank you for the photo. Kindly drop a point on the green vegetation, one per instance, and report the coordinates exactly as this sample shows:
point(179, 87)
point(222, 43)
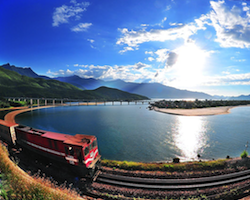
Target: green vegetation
point(170, 167)
point(244, 154)
point(13, 84)
point(198, 104)
point(6, 104)
point(16, 184)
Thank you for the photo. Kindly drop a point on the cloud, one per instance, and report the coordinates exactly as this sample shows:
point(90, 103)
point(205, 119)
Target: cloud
point(168, 8)
point(134, 38)
point(162, 55)
point(171, 59)
point(231, 25)
point(131, 73)
point(126, 49)
point(91, 40)
point(228, 79)
point(140, 65)
point(81, 27)
point(64, 13)
point(151, 59)
point(149, 52)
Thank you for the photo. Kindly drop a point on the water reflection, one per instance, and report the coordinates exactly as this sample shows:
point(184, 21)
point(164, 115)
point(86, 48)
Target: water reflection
point(190, 136)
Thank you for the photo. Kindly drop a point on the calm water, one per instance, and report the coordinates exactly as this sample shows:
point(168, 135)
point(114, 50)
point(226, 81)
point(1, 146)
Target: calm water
point(132, 132)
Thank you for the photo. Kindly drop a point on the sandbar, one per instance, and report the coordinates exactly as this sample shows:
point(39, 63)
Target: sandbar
point(196, 111)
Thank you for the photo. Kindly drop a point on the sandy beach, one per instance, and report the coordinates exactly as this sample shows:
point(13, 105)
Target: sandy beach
point(196, 112)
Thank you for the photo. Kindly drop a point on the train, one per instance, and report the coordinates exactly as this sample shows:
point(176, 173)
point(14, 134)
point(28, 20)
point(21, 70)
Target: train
point(78, 152)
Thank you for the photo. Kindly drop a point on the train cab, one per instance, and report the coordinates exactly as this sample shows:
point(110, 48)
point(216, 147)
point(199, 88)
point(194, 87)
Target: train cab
point(81, 150)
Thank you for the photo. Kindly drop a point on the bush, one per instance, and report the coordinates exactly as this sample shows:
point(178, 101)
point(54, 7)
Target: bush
point(19, 185)
point(244, 154)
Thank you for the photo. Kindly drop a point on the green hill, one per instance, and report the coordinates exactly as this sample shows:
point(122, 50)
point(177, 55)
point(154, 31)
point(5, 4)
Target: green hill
point(114, 94)
point(13, 84)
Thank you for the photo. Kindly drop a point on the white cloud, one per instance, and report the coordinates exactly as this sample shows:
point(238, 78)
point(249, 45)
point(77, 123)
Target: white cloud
point(176, 24)
point(232, 26)
point(126, 49)
point(64, 13)
point(81, 27)
point(134, 38)
point(227, 80)
point(232, 29)
point(90, 40)
point(151, 59)
point(140, 65)
point(168, 8)
point(162, 55)
point(149, 52)
point(131, 73)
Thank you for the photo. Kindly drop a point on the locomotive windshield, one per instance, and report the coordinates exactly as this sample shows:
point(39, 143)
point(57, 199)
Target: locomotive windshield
point(94, 144)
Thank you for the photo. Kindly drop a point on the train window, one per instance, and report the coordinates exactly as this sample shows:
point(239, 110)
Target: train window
point(66, 150)
point(94, 144)
point(55, 144)
point(86, 151)
point(50, 144)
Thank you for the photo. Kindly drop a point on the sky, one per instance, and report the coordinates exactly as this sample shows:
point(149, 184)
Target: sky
point(196, 45)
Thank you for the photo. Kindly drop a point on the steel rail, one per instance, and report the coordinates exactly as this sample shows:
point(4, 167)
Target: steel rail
point(174, 184)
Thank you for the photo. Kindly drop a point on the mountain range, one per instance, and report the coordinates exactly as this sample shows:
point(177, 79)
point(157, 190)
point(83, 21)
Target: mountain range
point(151, 90)
point(13, 84)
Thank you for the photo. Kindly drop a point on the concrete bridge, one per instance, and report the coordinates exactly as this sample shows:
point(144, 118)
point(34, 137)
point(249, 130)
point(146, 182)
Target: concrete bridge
point(65, 101)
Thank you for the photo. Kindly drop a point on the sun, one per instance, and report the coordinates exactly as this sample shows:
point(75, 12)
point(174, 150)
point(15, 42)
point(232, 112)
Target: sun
point(190, 64)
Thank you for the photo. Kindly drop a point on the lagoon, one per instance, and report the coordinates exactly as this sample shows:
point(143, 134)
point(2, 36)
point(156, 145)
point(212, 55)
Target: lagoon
point(133, 133)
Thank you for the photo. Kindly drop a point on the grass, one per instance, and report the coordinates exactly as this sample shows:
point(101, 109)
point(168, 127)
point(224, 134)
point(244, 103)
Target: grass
point(179, 167)
point(17, 184)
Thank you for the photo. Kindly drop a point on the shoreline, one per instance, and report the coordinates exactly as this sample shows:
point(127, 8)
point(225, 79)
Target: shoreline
point(197, 111)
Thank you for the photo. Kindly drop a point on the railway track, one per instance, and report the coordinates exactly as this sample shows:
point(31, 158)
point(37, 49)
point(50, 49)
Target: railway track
point(173, 184)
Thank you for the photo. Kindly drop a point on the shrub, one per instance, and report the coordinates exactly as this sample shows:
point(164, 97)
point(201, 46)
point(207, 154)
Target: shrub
point(19, 185)
point(244, 154)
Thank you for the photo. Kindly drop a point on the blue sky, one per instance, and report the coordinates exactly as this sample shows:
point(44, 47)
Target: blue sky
point(197, 45)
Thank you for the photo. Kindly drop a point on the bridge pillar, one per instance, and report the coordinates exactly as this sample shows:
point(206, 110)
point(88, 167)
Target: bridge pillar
point(31, 101)
point(112, 102)
point(38, 102)
point(61, 102)
point(54, 102)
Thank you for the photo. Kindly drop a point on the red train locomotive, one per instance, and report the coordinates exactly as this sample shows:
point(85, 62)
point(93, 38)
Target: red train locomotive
point(79, 151)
